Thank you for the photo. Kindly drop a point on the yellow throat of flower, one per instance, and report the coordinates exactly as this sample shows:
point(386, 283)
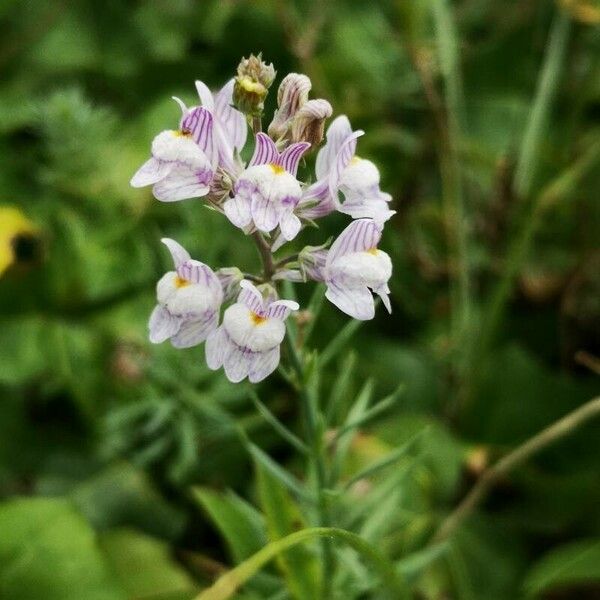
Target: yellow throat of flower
point(257, 319)
point(180, 282)
point(277, 169)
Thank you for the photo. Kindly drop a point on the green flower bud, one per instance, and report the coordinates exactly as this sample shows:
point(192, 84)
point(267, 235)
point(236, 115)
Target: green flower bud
point(252, 83)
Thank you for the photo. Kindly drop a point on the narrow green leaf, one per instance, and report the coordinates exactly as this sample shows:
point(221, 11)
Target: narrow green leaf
point(412, 566)
point(315, 304)
point(229, 583)
point(535, 131)
point(357, 410)
point(240, 524)
point(570, 564)
point(277, 425)
point(386, 461)
point(340, 388)
point(299, 566)
point(278, 472)
point(339, 341)
point(378, 409)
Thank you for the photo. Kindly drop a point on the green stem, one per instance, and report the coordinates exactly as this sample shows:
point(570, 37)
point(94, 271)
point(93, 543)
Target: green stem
point(452, 185)
point(524, 452)
point(547, 85)
point(265, 255)
point(226, 586)
point(317, 450)
point(524, 178)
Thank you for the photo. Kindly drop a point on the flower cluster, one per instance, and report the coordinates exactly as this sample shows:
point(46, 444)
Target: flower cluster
point(265, 198)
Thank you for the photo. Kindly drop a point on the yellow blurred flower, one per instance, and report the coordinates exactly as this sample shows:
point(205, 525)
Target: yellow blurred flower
point(19, 238)
point(586, 11)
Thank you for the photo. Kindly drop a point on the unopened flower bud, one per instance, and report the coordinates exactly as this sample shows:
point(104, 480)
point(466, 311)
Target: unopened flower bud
point(252, 83)
point(292, 94)
point(308, 125)
point(230, 278)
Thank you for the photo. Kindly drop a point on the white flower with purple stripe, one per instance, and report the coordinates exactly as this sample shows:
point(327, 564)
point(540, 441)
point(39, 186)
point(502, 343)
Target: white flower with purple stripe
point(267, 192)
point(354, 266)
point(339, 169)
point(230, 127)
point(247, 342)
point(182, 164)
point(189, 299)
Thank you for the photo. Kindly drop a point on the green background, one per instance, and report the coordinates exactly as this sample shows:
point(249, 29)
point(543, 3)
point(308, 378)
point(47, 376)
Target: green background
point(103, 436)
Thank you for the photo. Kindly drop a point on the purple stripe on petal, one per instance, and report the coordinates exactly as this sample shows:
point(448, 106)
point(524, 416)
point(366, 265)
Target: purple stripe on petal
point(360, 235)
point(194, 332)
point(342, 160)
point(181, 183)
point(230, 119)
point(280, 309)
point(199, 122)
point(264, 364)
point(216, 348)
point(290, 157)
point(265, 150)
point(237, 210)
point(251, 297)
point(337, 132)
point(162, 325)
point(264, 213)
point(237, 363)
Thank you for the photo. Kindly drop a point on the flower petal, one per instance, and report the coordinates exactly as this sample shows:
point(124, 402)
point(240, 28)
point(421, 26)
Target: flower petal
point(215, 348)
point(150, 172)
point(337, 132)
point(265, 151)
point(181, 183)
point(361, 208)
point(264, 364)
point(383, 292)
point(206, 96)
point(199, 122)
point(357, 302)
point(237, 363)
point(289, 159)
point(178, 252)
point(237, 210)
point(290, 225)
point(162, 325)
point(251, 297)
point(360, 235)
point(280, 309)
point(229, 118)
point(316, 201)
point(264, 213)
point(192, 333)
point(342, 160)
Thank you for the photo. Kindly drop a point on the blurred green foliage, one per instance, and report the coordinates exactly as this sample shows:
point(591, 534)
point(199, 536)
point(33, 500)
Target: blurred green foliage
point(103, 436)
